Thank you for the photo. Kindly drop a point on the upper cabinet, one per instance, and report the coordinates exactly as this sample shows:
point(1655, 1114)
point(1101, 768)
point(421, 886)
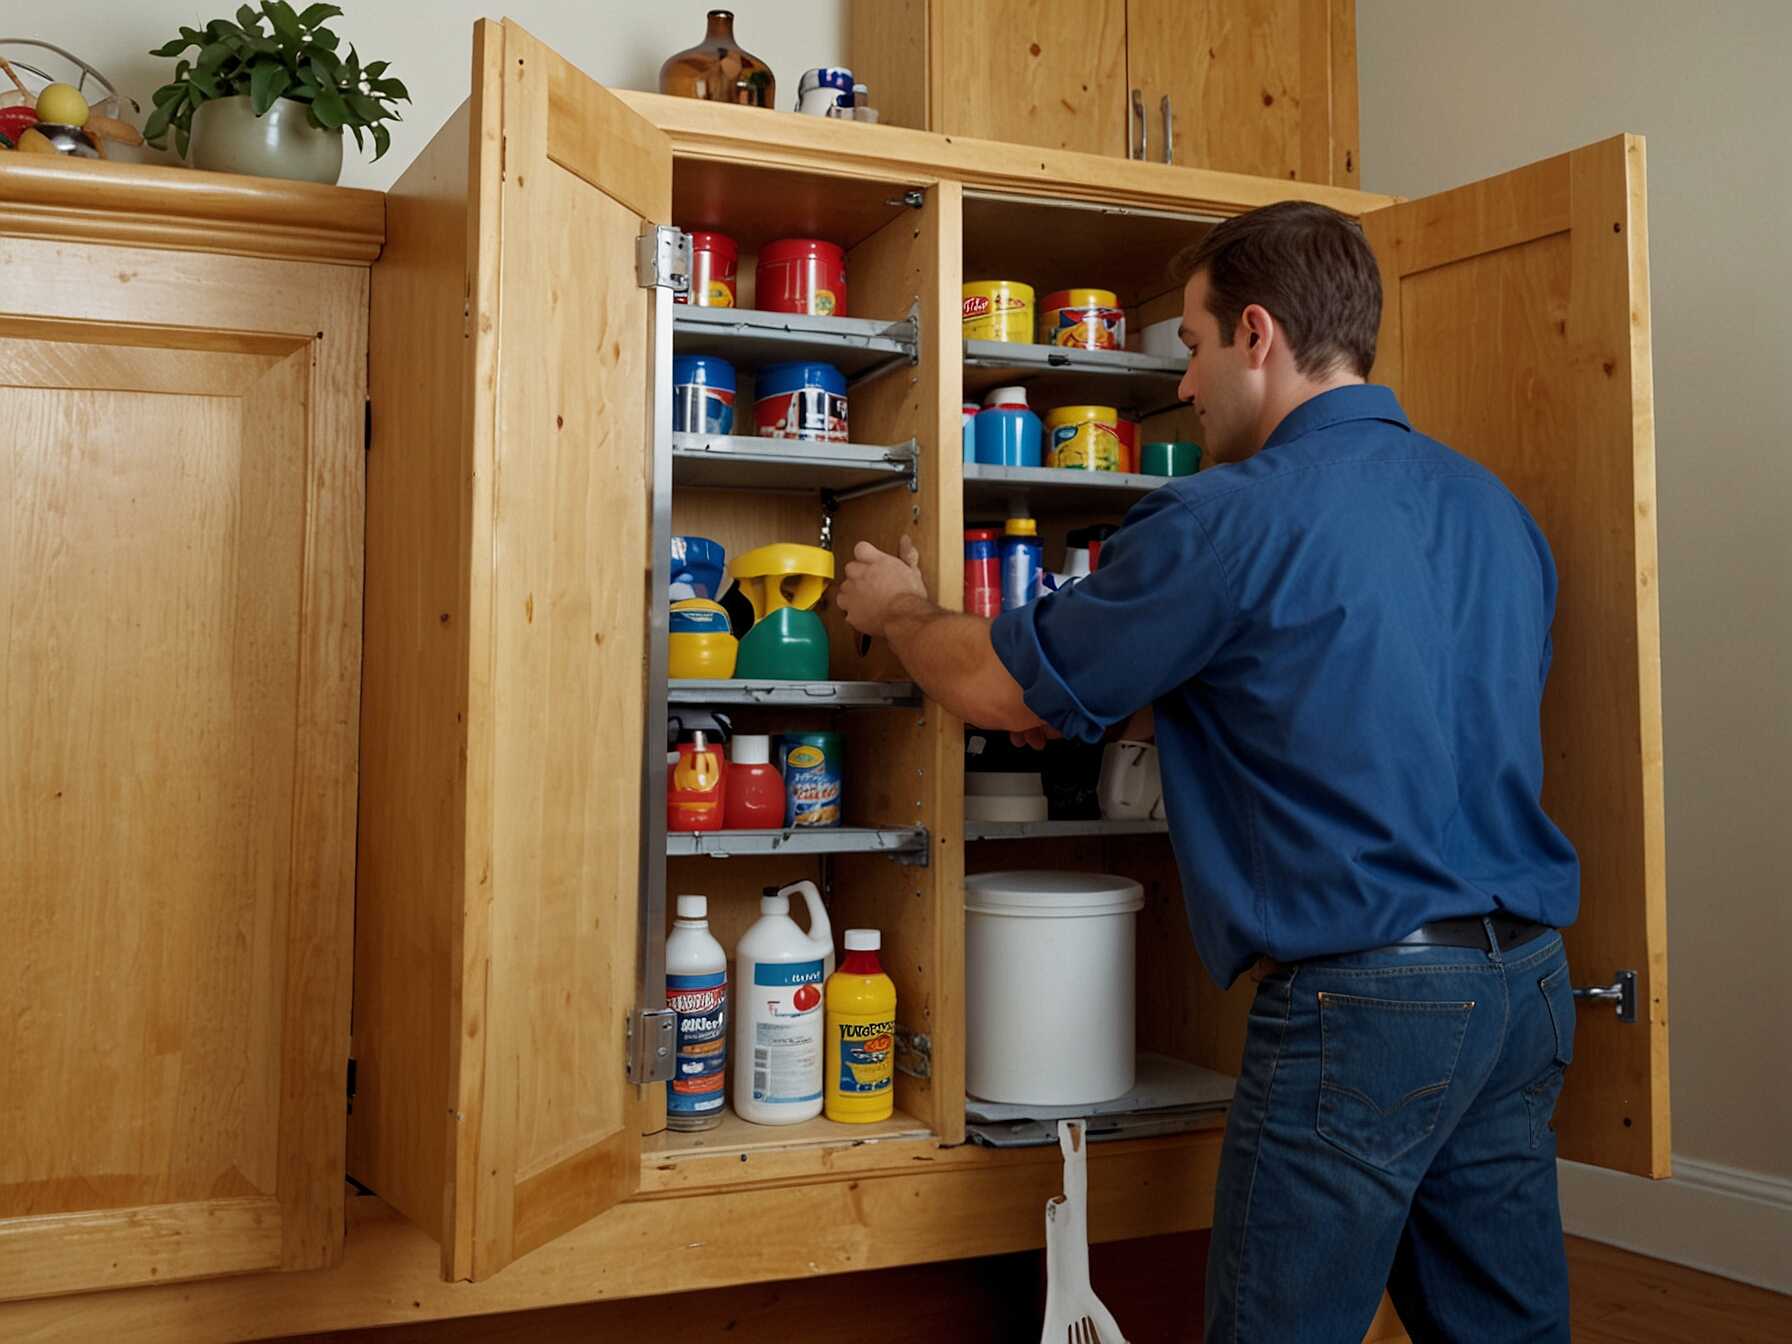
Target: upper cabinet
point(180, 592)
point(1265, 87)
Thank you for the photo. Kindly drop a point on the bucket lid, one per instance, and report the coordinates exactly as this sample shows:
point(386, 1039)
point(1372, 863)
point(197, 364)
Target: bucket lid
point(703, 371)
point(1047, 893)
point(784, 249)
point(777, 379)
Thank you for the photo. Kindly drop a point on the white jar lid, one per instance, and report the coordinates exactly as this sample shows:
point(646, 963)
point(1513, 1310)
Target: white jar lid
point(693, 907)
point(1047, 894)
point(747, 749)
point(863, 940)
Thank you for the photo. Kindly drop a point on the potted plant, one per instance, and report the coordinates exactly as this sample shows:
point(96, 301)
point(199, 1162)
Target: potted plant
point(272, 100)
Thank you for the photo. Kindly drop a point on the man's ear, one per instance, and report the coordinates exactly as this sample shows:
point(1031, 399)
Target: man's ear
point(1260, 333)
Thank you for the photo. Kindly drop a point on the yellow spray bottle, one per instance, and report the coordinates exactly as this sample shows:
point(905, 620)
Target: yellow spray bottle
point(861, 1034)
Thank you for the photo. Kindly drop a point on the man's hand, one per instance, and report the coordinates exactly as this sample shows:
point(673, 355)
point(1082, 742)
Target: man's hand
point(1035, 738)
point(875, 581)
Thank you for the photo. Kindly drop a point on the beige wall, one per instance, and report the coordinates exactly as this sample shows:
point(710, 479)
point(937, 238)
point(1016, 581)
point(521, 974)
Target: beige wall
point(1453, 92)
point(429, 42)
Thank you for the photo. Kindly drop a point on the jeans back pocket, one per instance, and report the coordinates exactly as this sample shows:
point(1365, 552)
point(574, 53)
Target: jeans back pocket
point(1541, 1096)
point(1387, 1065)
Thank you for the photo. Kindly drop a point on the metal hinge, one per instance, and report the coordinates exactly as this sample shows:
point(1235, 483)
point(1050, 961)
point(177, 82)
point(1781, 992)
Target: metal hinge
point(1621, 994)
point(663, 259)
point(914, 1053)
point(652, 1045)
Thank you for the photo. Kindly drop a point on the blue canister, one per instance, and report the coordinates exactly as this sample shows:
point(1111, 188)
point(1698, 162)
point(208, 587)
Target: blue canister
point(801, 400)
point(697, 567)
point(970, 431)
point(702, 395)
point(1009, 436)
point(1023, 563)
point(811, 764)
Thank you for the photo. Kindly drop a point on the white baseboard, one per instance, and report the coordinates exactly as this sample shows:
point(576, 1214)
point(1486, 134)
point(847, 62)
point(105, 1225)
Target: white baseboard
point(1719, 1219)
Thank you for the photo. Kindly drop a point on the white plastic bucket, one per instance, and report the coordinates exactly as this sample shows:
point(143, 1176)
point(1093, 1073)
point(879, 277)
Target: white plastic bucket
point(1049, 986)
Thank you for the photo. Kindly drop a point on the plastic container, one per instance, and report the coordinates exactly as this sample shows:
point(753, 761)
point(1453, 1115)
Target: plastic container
point(702, 395)
point(860, 1068)
point(700, 642)
point(801, 275)
point(1085, 438)
point(1180, 457)
point(779, 1023)
point(998, 310)
point(801, 400)
point(1009, 437)
point(1083, 319)
point(812, 765)
point(696, 779)
point(983, 572)
point(755, 797)
point(697, 990)
point(715, 261)
point(1049, 960)
point(1008, 398)
point(698, 565)
point(1023, 563)
point(1127, 431)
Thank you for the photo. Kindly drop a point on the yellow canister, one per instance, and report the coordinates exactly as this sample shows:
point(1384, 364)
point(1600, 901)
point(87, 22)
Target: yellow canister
point(1083, 319)
point(998, 310)
point(1083, 437)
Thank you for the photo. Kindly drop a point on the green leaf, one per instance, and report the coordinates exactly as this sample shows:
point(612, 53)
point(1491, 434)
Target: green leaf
point(316, 14)
point(205, 83)
point(181, 70)
point(212, 58)
point(286, 23)
point(360, 143)
point(157, 125)
point(329, 109)
point(248, 18)
point(265, 85)
point(167, 94)
point(391, 88)
point(183, 137)
point(376, 68)
point(328, 68)
point(382, 140)
point(324, 38)
point(354, 69)
point(172, 48)
point(366, 108)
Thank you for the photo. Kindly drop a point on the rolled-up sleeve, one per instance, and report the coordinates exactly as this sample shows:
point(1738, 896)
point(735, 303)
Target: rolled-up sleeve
point(1148, 620)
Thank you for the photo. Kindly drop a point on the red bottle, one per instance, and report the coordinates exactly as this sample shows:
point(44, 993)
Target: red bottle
point(696, 786)
point(755, 788)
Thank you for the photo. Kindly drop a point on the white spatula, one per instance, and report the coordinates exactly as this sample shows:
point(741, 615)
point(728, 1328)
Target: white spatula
point(1073, 1314)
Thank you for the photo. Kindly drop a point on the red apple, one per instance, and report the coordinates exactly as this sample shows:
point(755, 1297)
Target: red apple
point(16, 120)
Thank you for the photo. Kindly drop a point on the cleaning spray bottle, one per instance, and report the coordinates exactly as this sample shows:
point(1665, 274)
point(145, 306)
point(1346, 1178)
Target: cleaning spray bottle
point(697, 990)
point(779, 974)
point(861, 1060)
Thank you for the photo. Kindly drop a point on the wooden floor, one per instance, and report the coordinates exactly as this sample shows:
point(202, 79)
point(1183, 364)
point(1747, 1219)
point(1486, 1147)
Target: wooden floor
point(1618, 1298)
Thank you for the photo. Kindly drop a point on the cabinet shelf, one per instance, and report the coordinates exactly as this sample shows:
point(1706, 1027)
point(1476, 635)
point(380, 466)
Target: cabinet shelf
point(906, 841)
point(1056, 830)
point(1056, 489)
point(739, 462)
point(737, 1138)
point(795, 694)
point(860, 347)
point(1143, 384)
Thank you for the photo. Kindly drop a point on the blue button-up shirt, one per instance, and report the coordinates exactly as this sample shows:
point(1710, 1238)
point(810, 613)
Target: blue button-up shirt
point(1345, 640)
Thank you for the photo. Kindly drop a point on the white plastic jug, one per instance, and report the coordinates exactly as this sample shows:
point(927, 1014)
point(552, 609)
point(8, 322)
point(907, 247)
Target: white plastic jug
point(779, 974)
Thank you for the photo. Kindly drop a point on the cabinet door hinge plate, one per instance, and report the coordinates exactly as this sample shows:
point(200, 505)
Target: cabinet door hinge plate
point(652, 1046)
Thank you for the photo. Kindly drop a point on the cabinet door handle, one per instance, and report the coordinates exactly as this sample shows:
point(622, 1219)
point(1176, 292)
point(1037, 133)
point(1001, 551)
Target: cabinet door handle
point(1141, 142)
point(1169, 111)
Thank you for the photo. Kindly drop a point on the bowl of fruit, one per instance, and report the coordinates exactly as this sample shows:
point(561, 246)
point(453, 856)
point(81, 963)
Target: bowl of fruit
point(62, 106)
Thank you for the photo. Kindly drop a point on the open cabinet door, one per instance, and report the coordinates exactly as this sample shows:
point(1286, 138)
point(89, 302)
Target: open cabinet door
point(1515, 328)
point(510, 805)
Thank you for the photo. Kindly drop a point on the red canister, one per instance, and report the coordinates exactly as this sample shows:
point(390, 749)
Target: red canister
point(714, 260)
point(1129, 444)
point(982, 572)
point(801, 275)
point(755, 799)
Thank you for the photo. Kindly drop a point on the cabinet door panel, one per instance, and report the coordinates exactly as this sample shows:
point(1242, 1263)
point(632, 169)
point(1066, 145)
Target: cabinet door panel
point(179, 576)
point(1266, 87)
point(1516, 329)
point(1031, 74)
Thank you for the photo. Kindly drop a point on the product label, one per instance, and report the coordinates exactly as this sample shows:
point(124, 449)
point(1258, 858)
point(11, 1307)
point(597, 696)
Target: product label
point(1090, 446)
point(811, 788)
point(867, 1055)
point(700, 409)
point(823, 303)
point(1087, 328)
point(807, 413)
point(718, 294)
point(787, 1048)
point(701, 1002)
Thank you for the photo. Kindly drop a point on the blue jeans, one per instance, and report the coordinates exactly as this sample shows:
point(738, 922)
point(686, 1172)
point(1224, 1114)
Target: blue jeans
point(1392, 1128)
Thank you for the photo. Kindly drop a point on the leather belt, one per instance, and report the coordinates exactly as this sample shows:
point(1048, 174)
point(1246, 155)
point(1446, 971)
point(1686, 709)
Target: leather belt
point(1509, 931)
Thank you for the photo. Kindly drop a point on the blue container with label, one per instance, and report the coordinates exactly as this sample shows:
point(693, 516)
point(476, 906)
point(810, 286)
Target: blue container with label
point(1023, 563)
point(702, 395)
point(811, 764)
point(1008, 436)
point(801, 400)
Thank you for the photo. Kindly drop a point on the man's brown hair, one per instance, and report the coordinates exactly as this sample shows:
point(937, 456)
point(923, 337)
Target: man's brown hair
point(1309, 266)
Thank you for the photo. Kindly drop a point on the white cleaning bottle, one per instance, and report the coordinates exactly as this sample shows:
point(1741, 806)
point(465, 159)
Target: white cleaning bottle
point(697, 990)
point(779, 973)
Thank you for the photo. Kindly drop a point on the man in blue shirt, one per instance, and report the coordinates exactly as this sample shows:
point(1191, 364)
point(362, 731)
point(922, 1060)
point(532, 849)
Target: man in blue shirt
point(1340, 634)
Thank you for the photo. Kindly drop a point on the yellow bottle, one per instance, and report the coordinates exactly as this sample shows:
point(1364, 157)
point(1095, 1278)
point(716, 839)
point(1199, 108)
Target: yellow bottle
point(861, 1035)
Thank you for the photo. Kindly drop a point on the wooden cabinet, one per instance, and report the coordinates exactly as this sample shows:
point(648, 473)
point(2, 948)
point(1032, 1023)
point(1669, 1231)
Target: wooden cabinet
point(521, 483)
point(180, 572)
point(1265, 87)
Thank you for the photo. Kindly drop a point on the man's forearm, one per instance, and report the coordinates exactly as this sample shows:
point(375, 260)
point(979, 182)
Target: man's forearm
point(951, 658)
